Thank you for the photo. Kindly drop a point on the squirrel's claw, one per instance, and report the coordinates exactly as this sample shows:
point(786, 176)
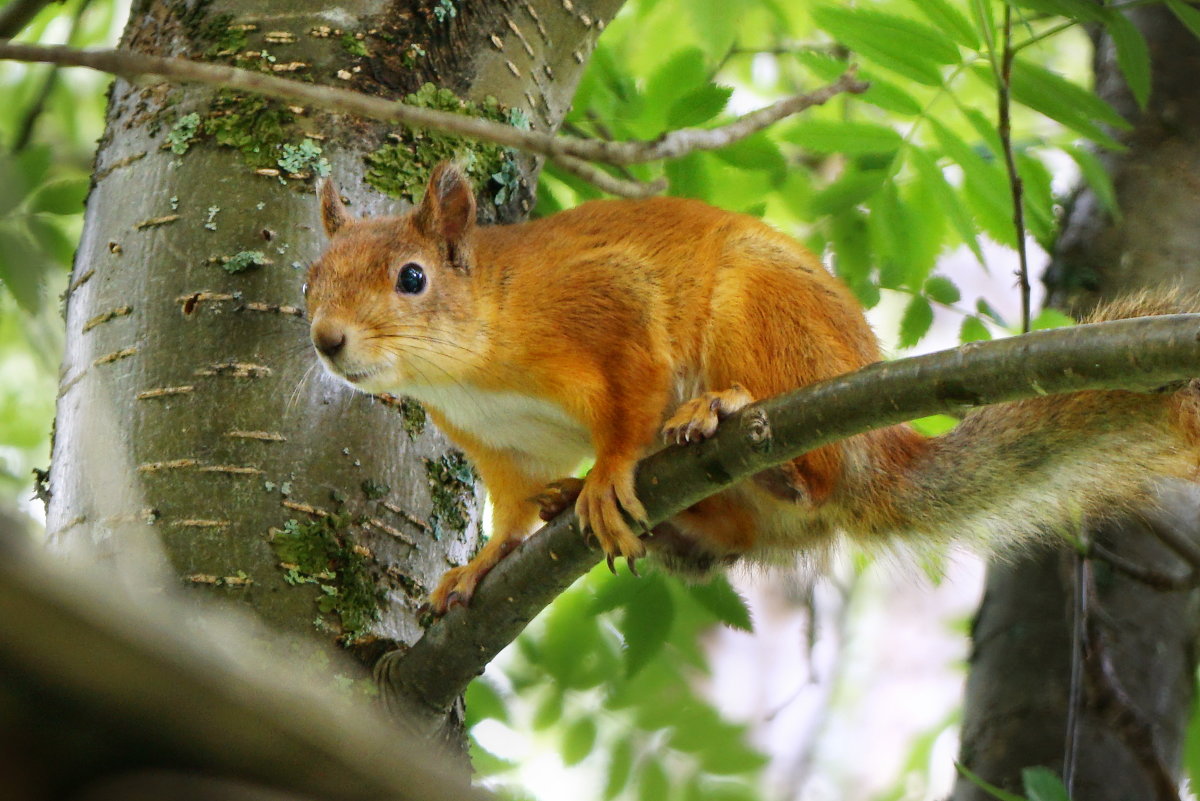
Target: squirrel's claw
point(698, 418)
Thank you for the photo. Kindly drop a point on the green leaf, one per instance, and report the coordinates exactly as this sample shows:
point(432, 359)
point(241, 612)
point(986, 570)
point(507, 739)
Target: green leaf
point(578, 741)
point(698, 106)
point(843, 136)
point(22, 267)
point(1186, 14)
point(1082, 10)
point(719, 597)
point(1038, 200)
point(646, 622)
point(950, 20)
point(882, 93)
point(985, 185)
point(483, 701)
point(683, 72)
point(1075, 107)
point(1043, 784)
point(485, 763)
point(727, 758)
point(1191, 746)
point(989, 311)
point(984, 16)
point(918, 316)
point(48, 231)
point(716, 21)
point(888, 96)
point(991, 789)
point(689, 176)
point(903, 45)
point(891, 226)
point(549, 709)
point(973, 330)
point(951, 205)
point(620, 765)
point(1133, 56)
point(1097, 177)
point(851, 247)
point(653, 784)
point(757, 152)
point(1051, 318)
point(934, 425)
point(848, 191)
point(571, 648)
point(942, 290)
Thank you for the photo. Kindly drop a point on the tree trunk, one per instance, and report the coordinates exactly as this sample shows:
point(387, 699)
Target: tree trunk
point(192, 421)
point(1018, 692)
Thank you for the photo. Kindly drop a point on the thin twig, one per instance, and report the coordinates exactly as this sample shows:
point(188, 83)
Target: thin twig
point(1004, 96)
point(555, 148)
point(608, 183)
point(689, 140)
point(38, 106)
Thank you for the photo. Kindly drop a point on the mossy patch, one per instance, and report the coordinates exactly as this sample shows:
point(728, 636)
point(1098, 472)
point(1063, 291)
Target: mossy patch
point(303, 159)
point(412, 417)
point(318, 552)
point(354, 45)
point(243, 260)
point(253, 125)
point(374, 490)
point(401, 168)
point(451, 487)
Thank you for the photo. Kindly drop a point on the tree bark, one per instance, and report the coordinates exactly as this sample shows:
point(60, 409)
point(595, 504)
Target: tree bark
point(1019, 689)
point(192, 423)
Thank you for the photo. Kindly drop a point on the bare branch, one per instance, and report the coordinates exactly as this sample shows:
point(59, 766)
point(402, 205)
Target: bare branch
point(568, 152)
point(1138, 355)
point(689, 140)
point(608, 183)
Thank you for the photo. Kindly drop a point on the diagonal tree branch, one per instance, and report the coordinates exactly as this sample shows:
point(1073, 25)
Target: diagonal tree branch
point(568, 152)
point(1139, 355)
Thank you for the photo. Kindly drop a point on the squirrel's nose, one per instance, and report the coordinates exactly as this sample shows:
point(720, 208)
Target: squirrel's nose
point(328, 339)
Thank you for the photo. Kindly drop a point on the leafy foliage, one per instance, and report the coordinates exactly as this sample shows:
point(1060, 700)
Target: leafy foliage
point(887, 185)
point(606, 676)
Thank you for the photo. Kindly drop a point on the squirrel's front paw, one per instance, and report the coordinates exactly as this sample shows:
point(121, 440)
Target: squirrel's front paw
point(697, 418)
point(458, 584)
point(455, 589)
point(599, 507)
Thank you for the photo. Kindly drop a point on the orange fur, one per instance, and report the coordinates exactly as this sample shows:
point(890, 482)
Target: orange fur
point(535, 346)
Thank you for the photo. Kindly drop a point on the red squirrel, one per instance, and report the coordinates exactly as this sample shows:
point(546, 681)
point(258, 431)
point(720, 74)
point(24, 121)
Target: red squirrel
point(591, 332)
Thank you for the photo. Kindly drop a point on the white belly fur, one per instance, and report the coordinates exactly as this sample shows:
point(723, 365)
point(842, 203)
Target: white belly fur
point(510, 421)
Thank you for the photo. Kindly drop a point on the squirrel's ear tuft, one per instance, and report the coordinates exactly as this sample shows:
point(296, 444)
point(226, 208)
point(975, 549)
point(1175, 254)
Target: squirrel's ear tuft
point(333, 212)
point(448, 209)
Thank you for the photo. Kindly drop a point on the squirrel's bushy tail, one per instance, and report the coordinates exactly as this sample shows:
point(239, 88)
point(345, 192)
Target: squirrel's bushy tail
point(1011, 470)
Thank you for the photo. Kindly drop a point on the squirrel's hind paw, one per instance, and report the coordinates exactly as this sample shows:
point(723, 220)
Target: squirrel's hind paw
point(603, 502)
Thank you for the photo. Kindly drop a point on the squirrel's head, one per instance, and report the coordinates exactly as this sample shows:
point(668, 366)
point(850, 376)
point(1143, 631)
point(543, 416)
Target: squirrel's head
point(390, 299)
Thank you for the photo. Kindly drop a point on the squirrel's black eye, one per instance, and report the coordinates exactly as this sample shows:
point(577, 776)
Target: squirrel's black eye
point(411, 279)
point(304, 289)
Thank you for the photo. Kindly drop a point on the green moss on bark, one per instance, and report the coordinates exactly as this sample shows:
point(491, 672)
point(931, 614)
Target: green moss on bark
point(319, 552)
point(401, 168)
point(451, 487)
